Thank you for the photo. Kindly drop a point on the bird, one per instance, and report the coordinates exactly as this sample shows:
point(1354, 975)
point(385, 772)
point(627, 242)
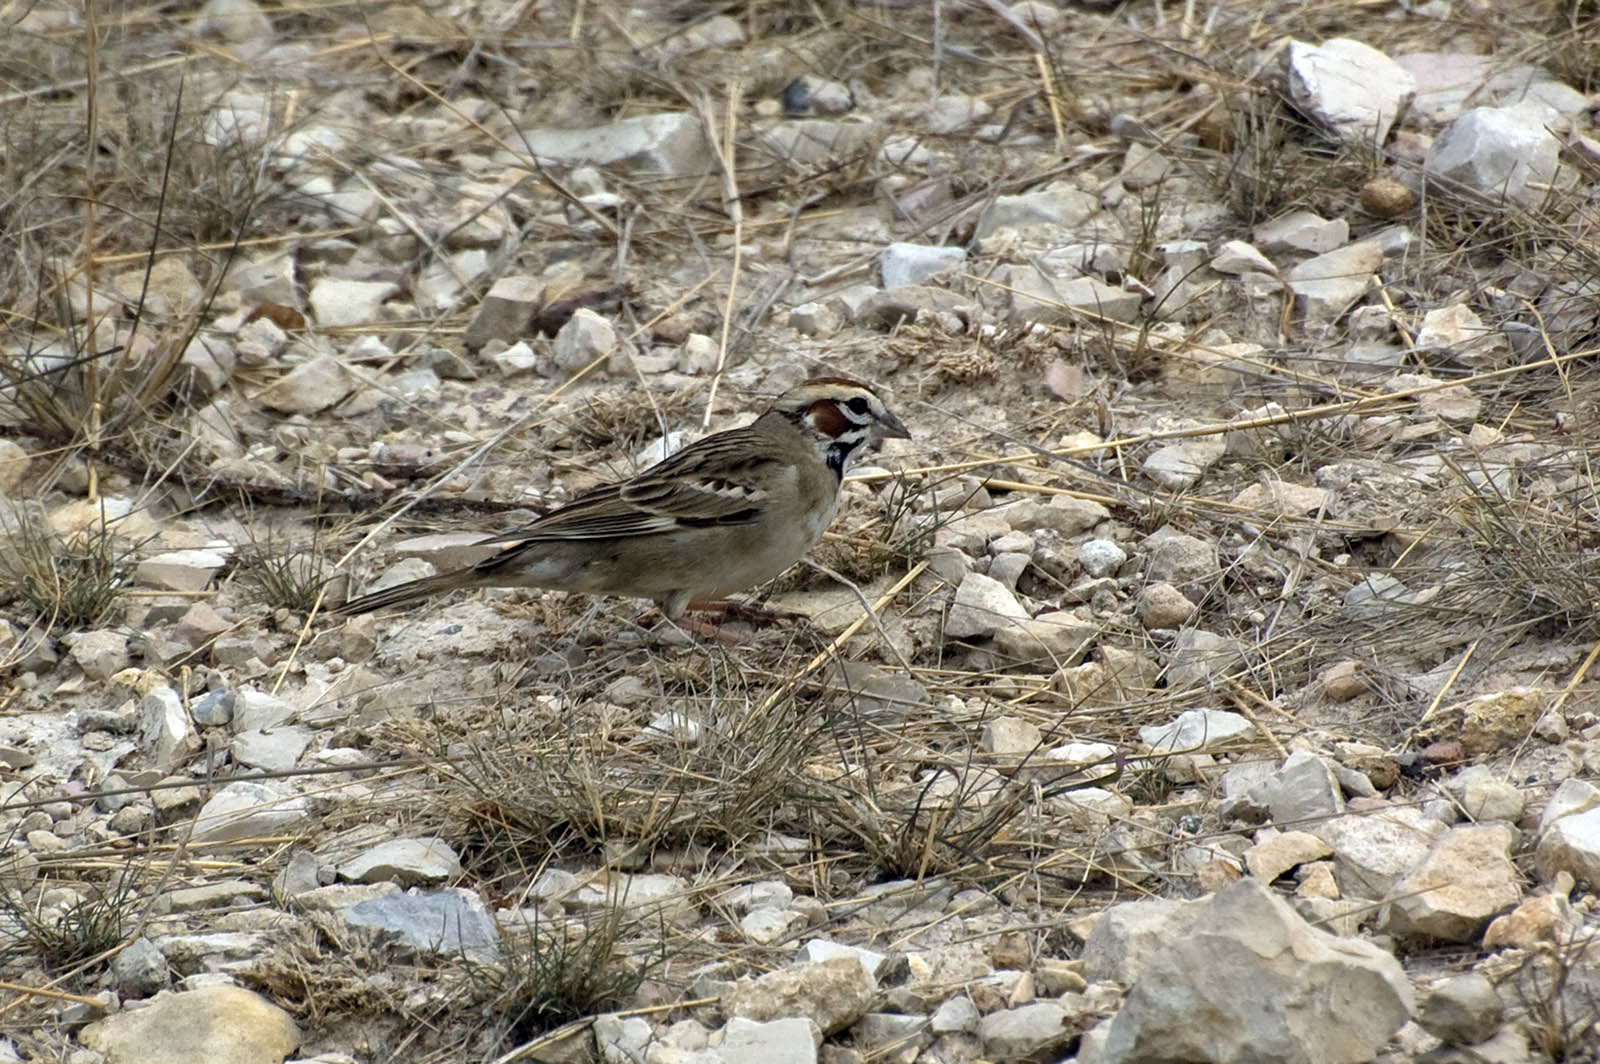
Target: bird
point(728, 512)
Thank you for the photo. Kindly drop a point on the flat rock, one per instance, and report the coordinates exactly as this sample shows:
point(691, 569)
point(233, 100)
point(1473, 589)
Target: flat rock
point(1466, 879)
point(183, 570)
point(791, 1040)
point(308, 387)
point(832, 993)
point(216, 1025)
point(337, 302)
point(1326, 286)
point(1572, 844)
point(1284, 499)
point(1019, 1033)
point(1372, 851)
point(1180, 465)
point(1059, 205)
point(1464, 1010)
point(277, 750)
point(1248, 979)
point(1059, 637)
point(1350, 89)
point(1301, 230)
point(409, 862)
point(1197, 729)
point(817, 140)
point(982, 606)
point(905, 264)
point(1273, 856)
point(449, 921)
point(1497, 152)
point(245, 809)
point(670, 144)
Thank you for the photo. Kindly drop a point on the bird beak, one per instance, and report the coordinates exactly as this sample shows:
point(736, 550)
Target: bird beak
point(889, 427)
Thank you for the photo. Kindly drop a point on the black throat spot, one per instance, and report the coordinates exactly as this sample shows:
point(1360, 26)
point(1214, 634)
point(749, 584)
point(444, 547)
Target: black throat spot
point(838, 454)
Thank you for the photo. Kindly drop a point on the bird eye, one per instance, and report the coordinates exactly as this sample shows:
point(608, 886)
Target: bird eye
point(859, 405)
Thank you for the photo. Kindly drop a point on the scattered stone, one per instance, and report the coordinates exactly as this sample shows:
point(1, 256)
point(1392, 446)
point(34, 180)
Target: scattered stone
point(1060, 637)
point(982, 605)
point(1237, 258)
point(216, 1025)
point(1384, 197)
point(1302, 231)
point(814, 319)
point(1343, 680)
point(278, 750)
point(258, 711)
point(812, 141)
point(1163, 606)
point(883, 1030)
point(1248, 979)
point(507, 312)
point(1350, 89)
point(1177, 558)
point(907, 264)
point(1279, 853)
point(1483, 796)
point(622, 1040)
point(954, 112)
point(1497, 721)
point(408, 862)
point(1304, 789)
point(1571, 844)
point(1009, 736)
point(791, 1040)
point(164, 730)
point(1197, 729)
point(660, 145)
point(1498, 152)
point(1462, 1011)
point(585, 338)
point(808, 95)
point(308, 388)
point(1326, 286)
point(833, 994)
point(246, 809)
point(100, 653)
point(517, 359)
point(1016, 1034)
point(336, 302)
point(140, 970)
point(957, 1014)
point(820, 949)
point(1101, 557)
point(450, 921)
point(1372, 851)
point(1544, 918)
point(1466, 879)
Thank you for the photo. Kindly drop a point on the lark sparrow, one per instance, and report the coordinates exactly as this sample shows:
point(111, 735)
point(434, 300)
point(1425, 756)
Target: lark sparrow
point(725, 513)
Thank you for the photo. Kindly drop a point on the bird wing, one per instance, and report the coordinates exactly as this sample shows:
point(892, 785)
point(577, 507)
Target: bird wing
point(715, 481)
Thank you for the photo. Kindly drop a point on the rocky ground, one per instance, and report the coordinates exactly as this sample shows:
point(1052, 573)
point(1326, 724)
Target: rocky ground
point(1209, 678)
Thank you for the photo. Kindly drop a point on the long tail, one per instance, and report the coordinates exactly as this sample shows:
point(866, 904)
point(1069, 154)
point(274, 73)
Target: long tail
point(409, 592)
